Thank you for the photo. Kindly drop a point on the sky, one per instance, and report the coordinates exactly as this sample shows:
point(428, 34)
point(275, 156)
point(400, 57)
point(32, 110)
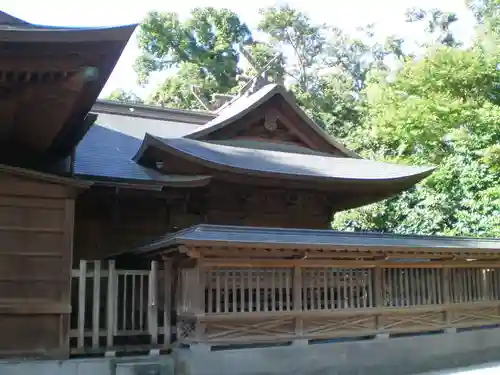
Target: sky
point(388, 15)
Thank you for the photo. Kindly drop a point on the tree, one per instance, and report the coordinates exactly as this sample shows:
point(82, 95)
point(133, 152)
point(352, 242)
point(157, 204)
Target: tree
point(121, 95)
point(203, 51)
point(487, 13)
point(437, 24)
point(442, 109)
point(292, 31)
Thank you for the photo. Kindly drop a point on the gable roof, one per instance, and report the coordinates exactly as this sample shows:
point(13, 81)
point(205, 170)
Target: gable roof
point(246, 104)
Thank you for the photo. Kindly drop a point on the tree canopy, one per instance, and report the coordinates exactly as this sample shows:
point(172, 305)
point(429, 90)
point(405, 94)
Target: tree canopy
point(436, 106)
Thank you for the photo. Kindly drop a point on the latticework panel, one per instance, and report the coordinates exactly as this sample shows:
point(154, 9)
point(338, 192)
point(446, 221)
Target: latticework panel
point(409, 322)
point(250, 330)
point(339, 326)
point(475, 317)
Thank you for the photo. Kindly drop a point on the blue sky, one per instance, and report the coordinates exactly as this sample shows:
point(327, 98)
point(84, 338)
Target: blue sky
point(388, 15)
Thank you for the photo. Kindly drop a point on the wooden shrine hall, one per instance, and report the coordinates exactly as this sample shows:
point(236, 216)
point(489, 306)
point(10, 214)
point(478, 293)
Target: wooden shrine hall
point(130, 227)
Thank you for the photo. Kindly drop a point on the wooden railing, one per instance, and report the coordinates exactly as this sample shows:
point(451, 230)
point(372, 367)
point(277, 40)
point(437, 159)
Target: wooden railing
point(120, 310)
point(242, 305)
point(115, 310)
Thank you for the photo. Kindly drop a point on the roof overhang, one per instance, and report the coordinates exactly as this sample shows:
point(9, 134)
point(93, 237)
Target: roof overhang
point(45, 177)
point(154, 184)
point(307, 242)
point(361, 181)
point(54, 74)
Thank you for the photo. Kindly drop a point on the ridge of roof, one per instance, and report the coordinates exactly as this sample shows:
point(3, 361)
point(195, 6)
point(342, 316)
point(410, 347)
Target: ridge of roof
point(245, 104)
point(152, 112)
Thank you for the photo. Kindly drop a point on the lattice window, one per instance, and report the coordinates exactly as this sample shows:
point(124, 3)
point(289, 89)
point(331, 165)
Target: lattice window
point(337, 288)
point(470, 284)
point(402, 287)
point(492, 278)
point(248, 290)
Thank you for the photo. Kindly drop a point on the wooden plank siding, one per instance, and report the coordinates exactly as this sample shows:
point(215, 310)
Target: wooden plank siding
point(111, 220)
point(36, 239)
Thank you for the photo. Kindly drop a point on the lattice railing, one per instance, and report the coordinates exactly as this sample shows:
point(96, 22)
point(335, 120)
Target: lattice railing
point(337, 288)
point(272, 289)
point(115, 309)
point(404, 287)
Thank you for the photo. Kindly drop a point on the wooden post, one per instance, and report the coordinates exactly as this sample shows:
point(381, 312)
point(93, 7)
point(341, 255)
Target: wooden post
point(167, 307)
point(110, 304)
point(378, 294)
point(200, 278)
point(153, 303)
point(81, 303)
point(445, 284)
point(297, 305)
point(378, 287)
point(96, 304)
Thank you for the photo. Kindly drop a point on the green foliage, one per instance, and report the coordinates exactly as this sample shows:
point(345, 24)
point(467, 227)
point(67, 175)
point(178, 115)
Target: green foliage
point(123, 96)
point(442, 109)
point(202, 51)
point(293, 30)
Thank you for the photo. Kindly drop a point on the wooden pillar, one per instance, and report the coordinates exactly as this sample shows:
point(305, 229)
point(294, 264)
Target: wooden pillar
point(445, 286)
point(378, 294)
point(167, 302)
point(111, 300)
point(297, 304)
point(153, 302)
point(200, 277)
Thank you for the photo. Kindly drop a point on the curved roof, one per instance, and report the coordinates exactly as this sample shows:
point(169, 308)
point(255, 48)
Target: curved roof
point(42, 34)
point(246, 104)
point(285, 164)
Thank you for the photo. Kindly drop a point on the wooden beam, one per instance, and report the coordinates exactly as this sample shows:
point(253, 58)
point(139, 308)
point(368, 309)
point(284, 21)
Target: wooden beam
point(290, 263)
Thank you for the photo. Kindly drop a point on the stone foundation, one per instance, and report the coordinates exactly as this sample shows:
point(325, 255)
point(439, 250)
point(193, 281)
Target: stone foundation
point(380, 356)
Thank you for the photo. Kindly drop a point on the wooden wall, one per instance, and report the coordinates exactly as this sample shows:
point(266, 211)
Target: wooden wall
point(36, 229)
point(110, 220)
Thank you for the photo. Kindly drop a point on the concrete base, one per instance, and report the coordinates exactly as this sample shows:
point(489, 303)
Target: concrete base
point(156, 365)
point(394, 356)
point(382, 356)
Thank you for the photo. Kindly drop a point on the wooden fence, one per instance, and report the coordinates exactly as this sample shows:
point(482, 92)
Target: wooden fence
point(252, 305)
point(115, 310)
point(126, 310)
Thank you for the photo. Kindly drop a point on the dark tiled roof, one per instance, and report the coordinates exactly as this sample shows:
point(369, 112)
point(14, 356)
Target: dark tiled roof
point(108, 148)
point(311, 238)
point(284, 164)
